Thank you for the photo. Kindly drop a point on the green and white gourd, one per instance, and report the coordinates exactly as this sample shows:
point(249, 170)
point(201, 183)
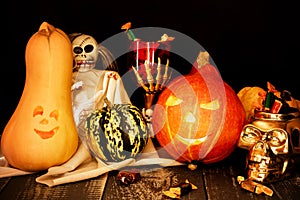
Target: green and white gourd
point(116, 132)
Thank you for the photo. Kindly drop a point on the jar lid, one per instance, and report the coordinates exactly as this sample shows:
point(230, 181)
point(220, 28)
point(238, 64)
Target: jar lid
point(275, 116)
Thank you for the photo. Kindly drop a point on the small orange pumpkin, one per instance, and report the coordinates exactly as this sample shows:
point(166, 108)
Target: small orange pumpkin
point(41, 132)
point(198, 117)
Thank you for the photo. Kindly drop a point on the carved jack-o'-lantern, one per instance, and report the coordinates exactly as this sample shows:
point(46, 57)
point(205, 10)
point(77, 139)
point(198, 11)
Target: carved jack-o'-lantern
point(41, 132)
point(198, 117)
point(46, 126)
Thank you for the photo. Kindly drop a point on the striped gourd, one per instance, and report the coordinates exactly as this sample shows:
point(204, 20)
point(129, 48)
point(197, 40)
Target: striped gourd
point(116, 132)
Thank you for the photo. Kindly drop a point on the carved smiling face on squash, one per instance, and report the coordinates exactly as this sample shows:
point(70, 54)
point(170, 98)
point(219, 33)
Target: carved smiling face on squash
point(42, 133)
point(46, 124)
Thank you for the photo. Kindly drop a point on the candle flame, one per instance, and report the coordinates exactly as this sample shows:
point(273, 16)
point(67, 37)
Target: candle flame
point(190, 118)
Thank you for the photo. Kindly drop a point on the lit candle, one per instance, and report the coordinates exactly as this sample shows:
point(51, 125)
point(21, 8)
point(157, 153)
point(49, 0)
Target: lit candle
point(148, 52)
point(137, 55)
point(152, 51)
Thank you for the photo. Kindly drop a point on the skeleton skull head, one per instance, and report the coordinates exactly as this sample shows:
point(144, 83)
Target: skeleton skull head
point(148, 115)
point(270, 141)
point(85, 52)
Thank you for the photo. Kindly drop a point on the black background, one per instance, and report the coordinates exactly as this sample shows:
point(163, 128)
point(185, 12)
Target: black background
point(251, 42)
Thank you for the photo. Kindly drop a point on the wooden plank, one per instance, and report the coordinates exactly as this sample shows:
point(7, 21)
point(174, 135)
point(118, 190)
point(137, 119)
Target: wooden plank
point(215, 181)
point(153, 182)
point(25, 187)
point(4, 182)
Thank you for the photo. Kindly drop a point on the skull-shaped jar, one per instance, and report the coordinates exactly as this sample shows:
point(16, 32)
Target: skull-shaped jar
point(272, 140)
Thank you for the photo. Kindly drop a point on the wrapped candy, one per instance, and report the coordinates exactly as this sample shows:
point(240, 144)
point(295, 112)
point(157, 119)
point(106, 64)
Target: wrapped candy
point(128, 177)
point(180, 190)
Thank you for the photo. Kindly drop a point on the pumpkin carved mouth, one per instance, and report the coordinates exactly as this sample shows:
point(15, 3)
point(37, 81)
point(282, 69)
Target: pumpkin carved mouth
point(46, 134)
point(189, 141)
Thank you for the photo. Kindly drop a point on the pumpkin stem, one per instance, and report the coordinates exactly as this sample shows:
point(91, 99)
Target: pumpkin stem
point(46, 28)
point(203, 59)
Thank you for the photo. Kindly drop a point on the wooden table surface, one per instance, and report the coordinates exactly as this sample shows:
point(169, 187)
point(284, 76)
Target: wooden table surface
point(214, 181)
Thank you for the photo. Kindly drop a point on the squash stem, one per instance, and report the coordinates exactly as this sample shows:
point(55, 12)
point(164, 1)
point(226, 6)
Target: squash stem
point(108, 103)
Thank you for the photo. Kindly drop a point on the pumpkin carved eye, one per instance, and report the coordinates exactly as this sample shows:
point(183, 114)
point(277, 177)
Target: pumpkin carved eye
point(38, 111)
point(54, 114)
point(212, 105)
point(173, 101)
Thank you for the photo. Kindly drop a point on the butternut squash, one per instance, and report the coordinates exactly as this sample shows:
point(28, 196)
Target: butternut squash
point(41, 132)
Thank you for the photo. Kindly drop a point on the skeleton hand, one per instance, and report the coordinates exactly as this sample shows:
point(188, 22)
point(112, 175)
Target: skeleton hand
point(153, 86)
point(77, 86)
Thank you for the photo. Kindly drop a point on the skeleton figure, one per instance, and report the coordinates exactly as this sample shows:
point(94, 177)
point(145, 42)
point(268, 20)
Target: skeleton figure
point(95, 78)
point(88, 54)
point(271, 140)
point(147, 113)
